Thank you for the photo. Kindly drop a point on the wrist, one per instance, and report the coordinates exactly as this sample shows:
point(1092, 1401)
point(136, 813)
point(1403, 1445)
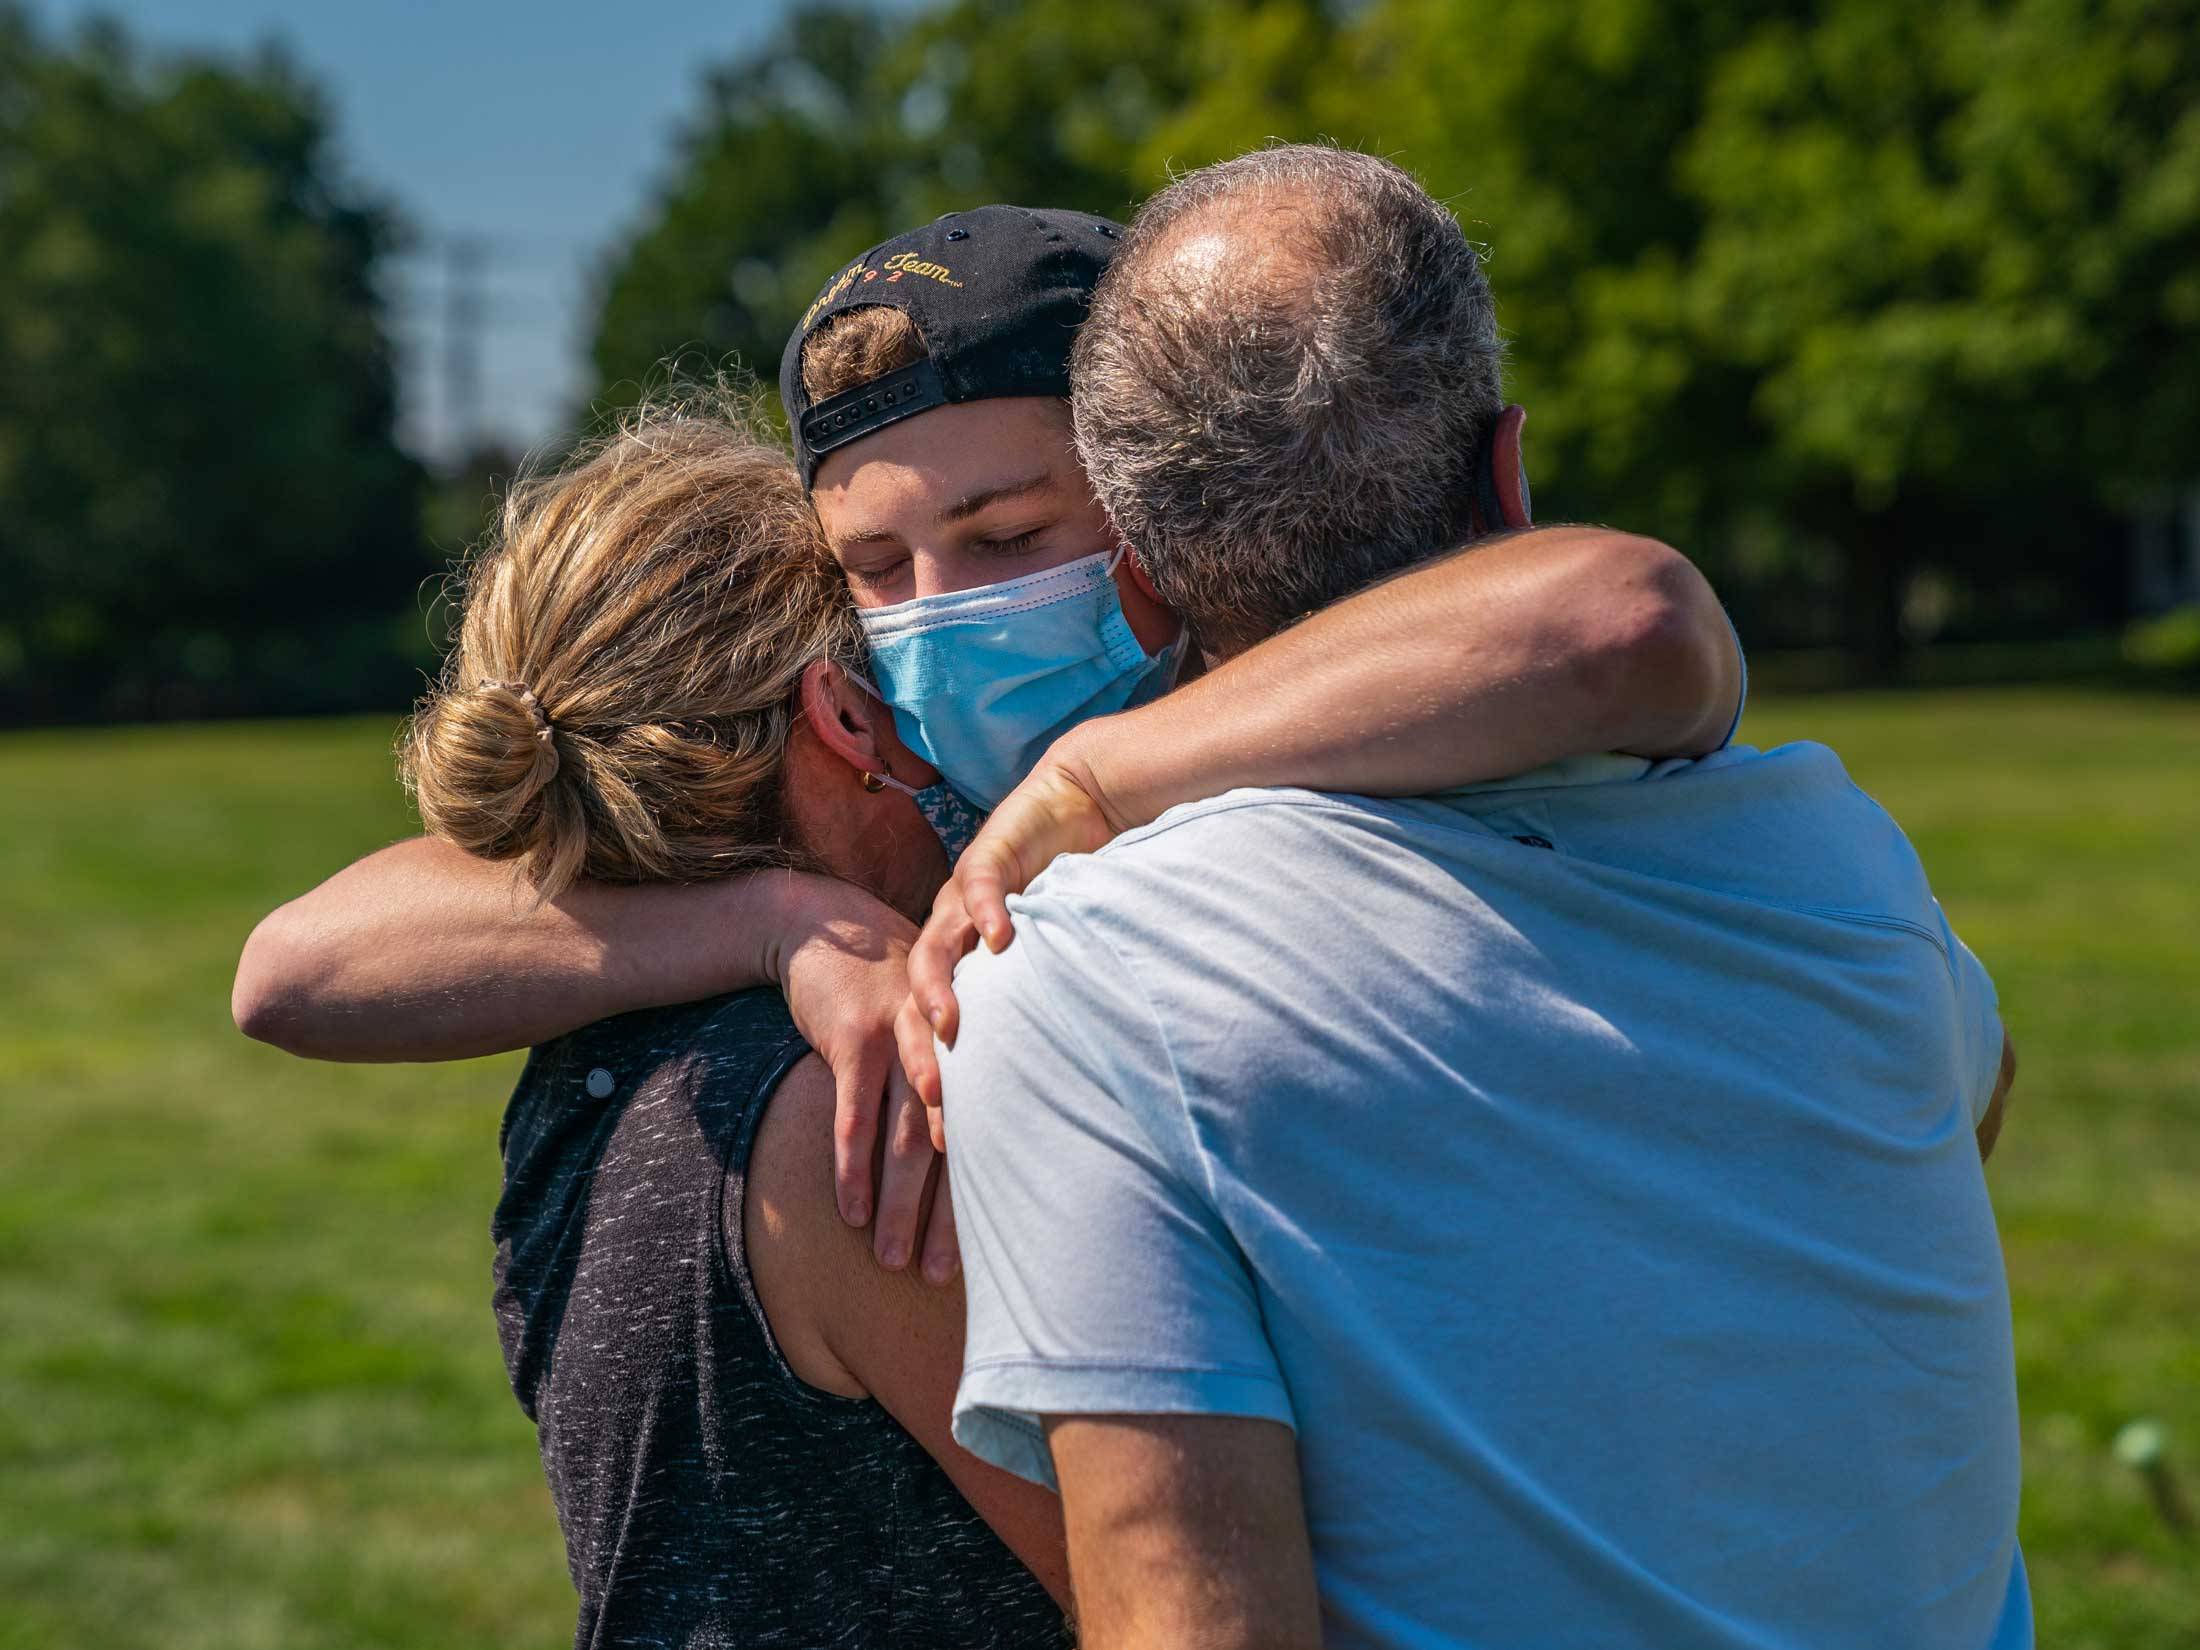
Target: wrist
point(804, 909)
point(1120, 763)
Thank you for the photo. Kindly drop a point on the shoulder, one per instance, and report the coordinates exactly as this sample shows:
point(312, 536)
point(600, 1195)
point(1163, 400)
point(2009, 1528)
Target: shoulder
point(1805, 804)
point(1063, 1025)
point(790, 1232)
point(1242, 835)
point(1215, 889)
point(726, 1049)
point(742, 1022)
point(1251, 811)
point(826, 1300)
point(1104, 940)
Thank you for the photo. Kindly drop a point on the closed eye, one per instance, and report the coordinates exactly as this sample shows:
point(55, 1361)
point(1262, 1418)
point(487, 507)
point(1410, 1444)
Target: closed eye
point(871, 578)
point(1019, 545)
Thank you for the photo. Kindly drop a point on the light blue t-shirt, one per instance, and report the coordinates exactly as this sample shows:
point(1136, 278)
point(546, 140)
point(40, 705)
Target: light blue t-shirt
point(1583, 1166)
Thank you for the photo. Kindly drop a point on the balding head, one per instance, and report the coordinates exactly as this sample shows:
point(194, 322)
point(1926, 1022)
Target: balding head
point(1283, 383)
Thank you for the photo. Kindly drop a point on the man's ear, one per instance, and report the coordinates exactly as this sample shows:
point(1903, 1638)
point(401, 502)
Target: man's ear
point(1501, 479)
point(1138, 575)
point(844, 717)
point(1508, 470)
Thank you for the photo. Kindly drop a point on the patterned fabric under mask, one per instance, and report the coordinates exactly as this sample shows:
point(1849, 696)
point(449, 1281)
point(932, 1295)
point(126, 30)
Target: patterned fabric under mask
point(954, 821)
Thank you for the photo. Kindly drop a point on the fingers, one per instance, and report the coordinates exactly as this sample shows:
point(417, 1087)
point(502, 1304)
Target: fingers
point(984, 882)
point(942, 1255)
point(907, 1167)
point(948, 937)
point(919, 1059)
point(856, 1092)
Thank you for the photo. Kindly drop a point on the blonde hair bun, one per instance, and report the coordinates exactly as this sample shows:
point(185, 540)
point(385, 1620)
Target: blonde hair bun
point(629, 646)
point(480, 763)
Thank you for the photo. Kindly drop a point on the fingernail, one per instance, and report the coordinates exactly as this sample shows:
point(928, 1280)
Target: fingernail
point(935, 1014)
point(939, 1270)
point(896, 1255)
point(858, 1212)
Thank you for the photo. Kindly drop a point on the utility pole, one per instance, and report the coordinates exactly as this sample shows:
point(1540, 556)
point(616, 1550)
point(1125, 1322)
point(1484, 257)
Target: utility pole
point(465, 260)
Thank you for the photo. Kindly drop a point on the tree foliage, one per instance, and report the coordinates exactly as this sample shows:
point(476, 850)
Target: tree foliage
point(1956, 253)
point(201, 506)
point(1832, 294)
point(848, 127)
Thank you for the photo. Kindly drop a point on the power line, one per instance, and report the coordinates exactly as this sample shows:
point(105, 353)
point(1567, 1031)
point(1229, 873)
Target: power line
point(459, 304)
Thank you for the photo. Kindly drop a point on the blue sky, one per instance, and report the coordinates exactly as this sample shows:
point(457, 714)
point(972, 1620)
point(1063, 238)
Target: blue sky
point(539, 127)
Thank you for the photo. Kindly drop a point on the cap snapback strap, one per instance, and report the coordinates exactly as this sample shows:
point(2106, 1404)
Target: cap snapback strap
point(842, 418)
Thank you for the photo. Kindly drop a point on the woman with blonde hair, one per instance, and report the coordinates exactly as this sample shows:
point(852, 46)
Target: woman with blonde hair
point(743, 1419)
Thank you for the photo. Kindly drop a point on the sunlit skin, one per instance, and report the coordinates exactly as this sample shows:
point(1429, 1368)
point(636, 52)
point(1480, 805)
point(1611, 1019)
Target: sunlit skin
point(877, 840)
point(970, 495)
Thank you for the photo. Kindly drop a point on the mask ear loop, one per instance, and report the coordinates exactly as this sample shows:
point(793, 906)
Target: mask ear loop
point(873, 783)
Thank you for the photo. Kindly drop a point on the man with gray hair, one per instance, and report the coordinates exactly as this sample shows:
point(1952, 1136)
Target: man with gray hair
point(1549, 1214)
point(1281, 402)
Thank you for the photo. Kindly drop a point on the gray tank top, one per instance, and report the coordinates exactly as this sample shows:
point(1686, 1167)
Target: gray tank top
point(708, 1496)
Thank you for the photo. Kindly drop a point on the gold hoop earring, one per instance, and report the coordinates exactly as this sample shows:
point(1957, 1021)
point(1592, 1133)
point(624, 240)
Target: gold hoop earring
point(872, 783)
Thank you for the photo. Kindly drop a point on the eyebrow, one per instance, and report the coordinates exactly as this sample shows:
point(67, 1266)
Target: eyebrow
point(961, 510)
point(964, 508)
point(876, 535)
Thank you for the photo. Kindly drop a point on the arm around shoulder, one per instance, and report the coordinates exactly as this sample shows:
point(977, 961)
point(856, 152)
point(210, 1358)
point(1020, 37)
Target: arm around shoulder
point(1671, 644)
point(363, 967)
point(424, 952)
point(1625, 640)
point(1514, 652)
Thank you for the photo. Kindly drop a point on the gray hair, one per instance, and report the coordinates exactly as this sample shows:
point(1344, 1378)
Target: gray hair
point(1283, 383)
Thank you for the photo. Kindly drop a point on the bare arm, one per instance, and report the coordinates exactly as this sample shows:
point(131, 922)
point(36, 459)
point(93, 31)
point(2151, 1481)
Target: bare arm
point(1186, 1530)
point(845, 1326)
point(1512, 653)
point(1515, 652)
point(1989, 1127)
point(423, 952)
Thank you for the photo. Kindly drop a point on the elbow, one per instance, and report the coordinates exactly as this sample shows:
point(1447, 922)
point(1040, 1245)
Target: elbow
point(1664, 652)
point(270, 990)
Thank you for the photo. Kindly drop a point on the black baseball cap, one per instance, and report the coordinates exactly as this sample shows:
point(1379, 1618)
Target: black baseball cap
point(998, 293)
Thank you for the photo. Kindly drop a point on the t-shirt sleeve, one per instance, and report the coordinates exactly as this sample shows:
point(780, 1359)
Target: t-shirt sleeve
point(1979, 1011)
point(1100, 1277)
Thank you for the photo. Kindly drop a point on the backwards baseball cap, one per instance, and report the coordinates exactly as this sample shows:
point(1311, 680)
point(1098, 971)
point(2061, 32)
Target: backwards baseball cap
point(998, 294)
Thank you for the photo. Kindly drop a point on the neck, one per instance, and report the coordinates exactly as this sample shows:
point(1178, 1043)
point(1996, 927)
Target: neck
point(878, 842)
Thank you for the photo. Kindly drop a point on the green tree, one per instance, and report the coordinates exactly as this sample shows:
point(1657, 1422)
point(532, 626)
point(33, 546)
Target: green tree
point(201, 506)
point(777, 179)
point(1551, 131)
point(849, 126)
point(1831, 295)
point(1956, 252)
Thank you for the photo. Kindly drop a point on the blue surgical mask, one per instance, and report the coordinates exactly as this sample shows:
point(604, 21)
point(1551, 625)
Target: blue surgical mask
point(983, 681)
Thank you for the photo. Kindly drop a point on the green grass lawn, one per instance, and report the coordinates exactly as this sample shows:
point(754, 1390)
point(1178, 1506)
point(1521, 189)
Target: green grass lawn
point(249, 1386)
